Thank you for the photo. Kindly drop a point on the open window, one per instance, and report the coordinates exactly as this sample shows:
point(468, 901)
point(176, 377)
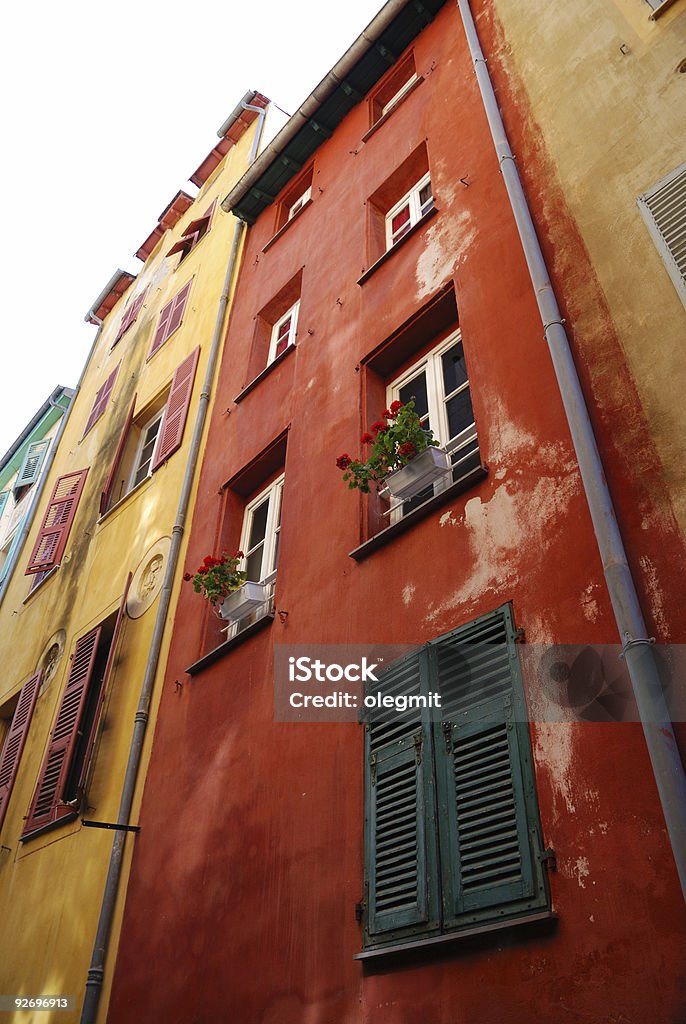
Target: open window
point(393, 88)
point(62, 785)
point(400, 204)
point(193, 234)
point(295, 199)
point(150, 436)
point(276, 327)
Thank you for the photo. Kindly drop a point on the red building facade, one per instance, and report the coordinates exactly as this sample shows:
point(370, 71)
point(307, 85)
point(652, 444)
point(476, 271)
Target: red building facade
point(387, 268)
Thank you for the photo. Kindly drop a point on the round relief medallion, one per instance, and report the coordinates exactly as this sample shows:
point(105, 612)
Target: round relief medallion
point(147, 579)
point(50, 658)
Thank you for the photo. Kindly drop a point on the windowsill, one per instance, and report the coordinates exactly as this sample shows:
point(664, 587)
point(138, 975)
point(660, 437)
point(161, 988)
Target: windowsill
point(419, 945)
point(265, 373)
point(62, 820)
point(657, 11)
point(407, 522)
point(394, 248)
point(42, 583)
point(285, 227)
point(228, 645)
point(389, 113)
point(118, 504)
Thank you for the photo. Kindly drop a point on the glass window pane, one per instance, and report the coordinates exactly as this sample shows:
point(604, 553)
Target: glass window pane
point(460, 413)
point(253, 565)
point(454, 368)
point(426, 200)
point(400, 223)
point(416, 389)
point(259, 524)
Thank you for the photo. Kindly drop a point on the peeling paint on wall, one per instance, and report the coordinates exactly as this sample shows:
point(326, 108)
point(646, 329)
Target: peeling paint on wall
point(446, 246)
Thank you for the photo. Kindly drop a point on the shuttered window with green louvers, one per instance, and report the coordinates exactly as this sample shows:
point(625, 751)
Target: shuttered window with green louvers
point(452, 831)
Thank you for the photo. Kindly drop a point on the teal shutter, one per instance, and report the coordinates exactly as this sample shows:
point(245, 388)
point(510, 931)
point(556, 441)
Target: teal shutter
point(487, 812)
point(30, 467)
point(400, 824)
point(4, 495)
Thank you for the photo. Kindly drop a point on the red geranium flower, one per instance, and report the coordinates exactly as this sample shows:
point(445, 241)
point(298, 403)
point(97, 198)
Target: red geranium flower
point(187, 576)
point(395, 408)
point(379, 426)
point(387, 413)
point(343, 461)
point(407, 450)
point(366, 438)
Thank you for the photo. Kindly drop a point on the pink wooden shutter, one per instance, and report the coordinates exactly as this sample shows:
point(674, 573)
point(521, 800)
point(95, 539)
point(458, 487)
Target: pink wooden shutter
point(106, 495)
point(45, 806)
point(54, 531)
point(16, 737)
point(85, 769)
point(170, 318)
point(130, 317)
point(101, 399)
point(174, 419)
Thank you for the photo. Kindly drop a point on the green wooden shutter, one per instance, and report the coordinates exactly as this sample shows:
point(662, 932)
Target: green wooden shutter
point(487, 812)
point(4, 495)
point(30, 467)
point(400, 824)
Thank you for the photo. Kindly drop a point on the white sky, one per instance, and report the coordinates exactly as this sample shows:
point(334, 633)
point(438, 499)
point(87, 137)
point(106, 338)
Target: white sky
point(108, 109)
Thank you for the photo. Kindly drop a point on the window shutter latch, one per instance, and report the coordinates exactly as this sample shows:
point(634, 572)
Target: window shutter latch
point(372, 762)
point(448, 736)
point(418, 748)
point(549, 857)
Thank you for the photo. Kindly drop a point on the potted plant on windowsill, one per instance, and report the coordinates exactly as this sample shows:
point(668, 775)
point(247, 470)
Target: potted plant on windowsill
point(224, 585)
point(402, 455)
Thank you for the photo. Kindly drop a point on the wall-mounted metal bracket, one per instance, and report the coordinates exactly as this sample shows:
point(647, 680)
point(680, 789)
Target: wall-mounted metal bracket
point(112, 825)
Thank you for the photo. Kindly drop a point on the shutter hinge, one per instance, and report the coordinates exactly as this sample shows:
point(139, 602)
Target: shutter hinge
point(519, 636)
point(359, 911)
point(372, 762)
point(448, 736)
point(418, 748)
point(549, 857)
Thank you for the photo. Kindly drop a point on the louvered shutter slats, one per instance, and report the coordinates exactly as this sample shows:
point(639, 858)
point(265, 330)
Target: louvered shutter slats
point(130, 316)
point(664, 210)
point(16, 738)
point(33, 460)
point(170, 318)
point(4, 495)
point(101, 400)
point(176, 411)
point(54, 531)
point(45, 807)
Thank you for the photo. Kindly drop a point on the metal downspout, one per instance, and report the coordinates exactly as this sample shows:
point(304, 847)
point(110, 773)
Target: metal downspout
point(96, 971)
point(654, 713)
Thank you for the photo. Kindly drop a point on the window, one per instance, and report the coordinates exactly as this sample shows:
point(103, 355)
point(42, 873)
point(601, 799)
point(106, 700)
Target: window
point(299, 203)
point(193, 233)
point(283, 332)
point(408, 211)
point(64, 775)
point(295, 199)
point(57, 522)
point(101, 399)
point(395, 85)
point(151, 437)
point(439, 385)
point(11, 750)
point(31, 464)
point(663, 208)
point(129, 318)
point(452, 833)
point(170, 319)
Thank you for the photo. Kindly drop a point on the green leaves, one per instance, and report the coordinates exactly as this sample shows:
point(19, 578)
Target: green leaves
point(394, 441)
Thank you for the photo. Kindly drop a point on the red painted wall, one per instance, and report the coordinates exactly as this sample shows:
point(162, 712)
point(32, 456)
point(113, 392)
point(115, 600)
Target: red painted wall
point(249, 861)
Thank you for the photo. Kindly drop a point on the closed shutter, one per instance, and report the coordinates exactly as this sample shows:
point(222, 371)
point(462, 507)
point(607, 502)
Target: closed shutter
point(106, 495)
point(16, 737)
point(170, 318)
point(176, 411)
point(400, 844)
point(663, 207)
point(130, 316)
point(101, 400)
point(45, 806)
point(54, 531)
point(4, 495)
point(482, 774)
point(82, 784)
point(30, 467)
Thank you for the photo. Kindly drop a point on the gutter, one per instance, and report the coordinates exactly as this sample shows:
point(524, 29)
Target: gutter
point(49, 403)
point(332, 80)
point(637, 648)
point(96, 972)
point(243, 104)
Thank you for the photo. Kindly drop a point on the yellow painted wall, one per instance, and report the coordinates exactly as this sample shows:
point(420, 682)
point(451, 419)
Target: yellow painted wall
point(51, 886)
point(607, 98)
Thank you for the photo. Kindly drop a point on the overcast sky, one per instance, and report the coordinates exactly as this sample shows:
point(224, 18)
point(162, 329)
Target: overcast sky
point(107, 110)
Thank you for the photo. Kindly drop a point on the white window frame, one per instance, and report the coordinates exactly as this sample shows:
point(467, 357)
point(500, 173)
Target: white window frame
point(273, 494)
point(405, 87)
point(292, 312)
point(417, 210)
point(431, 366)
point(135, 466)
point(297, 206)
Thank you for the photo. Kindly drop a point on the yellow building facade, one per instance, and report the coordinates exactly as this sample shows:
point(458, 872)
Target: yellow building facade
point(603, 85)
point(81, 610)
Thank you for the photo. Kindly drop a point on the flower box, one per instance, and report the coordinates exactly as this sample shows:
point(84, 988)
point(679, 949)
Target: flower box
point(413, 478)
point(243, 601)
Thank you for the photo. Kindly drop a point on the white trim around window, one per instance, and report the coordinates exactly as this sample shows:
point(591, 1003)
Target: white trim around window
point(409, 210)
point(261, 532)
point(405, 87)
point(297, 206)
point(443, 401)
point(283, 332)
point(145, 451)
